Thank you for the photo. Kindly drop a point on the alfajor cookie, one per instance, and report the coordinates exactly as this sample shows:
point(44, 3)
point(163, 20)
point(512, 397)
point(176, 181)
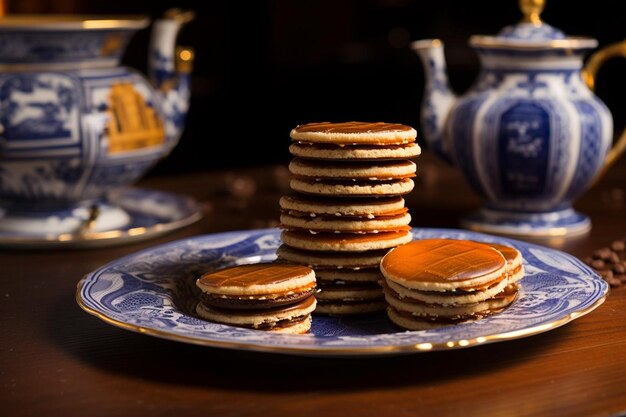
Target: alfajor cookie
point(276, 297)
point(333, 152)
point(434, 282)
point(345, 242)
point(334, 224)
point(331, 260)
point(350, 188)
point(372, 171)
point(343, 207)
point(353, 133)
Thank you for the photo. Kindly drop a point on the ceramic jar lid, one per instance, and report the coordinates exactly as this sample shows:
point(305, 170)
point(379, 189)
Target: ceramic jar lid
point(532, 33)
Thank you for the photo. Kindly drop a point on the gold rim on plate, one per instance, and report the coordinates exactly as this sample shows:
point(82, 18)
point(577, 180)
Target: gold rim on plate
point(363, 351)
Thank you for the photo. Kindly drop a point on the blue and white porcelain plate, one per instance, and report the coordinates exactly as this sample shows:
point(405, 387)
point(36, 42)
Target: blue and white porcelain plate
point(153, 292)
point(127, 214)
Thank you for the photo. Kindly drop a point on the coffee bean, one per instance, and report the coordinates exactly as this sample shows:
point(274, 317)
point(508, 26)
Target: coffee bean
point(606, 274)
point(603, 253)
point(614, 258)
point(610, 263)
point(614, 282)
point(618, 246)
point(598, 264)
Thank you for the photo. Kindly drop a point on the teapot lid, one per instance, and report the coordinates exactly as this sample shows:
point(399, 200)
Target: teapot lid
point(532, 33)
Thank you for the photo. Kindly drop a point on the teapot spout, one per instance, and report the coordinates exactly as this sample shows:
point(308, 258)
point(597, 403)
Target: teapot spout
point(169, 69)
point(438, 98)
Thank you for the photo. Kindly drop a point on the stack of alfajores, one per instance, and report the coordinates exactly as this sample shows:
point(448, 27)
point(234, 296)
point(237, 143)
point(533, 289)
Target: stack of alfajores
point(347, 208)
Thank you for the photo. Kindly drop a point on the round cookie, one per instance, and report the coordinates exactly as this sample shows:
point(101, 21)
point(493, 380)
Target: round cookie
point(331, 261)
point(345, 242)
point(331, 152)
point(276, 297)
point(351, 207)
point(379, 133)
point(268, 280)
point(352, 188)
point(346, 225)
point(443, 265)
point(294, 318)
point(370, 171)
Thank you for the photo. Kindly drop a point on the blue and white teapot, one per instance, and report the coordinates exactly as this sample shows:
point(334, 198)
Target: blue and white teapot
point(529, 136)
point(74, 124)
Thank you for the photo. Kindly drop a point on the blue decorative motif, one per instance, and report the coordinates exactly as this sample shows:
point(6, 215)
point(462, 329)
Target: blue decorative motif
point(55, 46)
point(531, 32)
point(523, 150)
point(462, 144)
point(154, 290)
point(39, 106)
point(591, 156)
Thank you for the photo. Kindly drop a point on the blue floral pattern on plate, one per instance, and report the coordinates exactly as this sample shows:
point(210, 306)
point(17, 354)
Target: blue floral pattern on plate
point(153, 292)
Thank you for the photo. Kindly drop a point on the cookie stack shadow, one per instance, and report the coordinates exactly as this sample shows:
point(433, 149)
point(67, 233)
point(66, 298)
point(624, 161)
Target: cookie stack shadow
point(346, 210)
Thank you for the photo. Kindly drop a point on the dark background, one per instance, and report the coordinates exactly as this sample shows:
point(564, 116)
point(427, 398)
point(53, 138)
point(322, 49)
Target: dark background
point(264, 66)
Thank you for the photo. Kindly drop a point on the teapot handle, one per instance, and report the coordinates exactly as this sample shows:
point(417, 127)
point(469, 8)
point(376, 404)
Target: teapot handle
point(597, 59)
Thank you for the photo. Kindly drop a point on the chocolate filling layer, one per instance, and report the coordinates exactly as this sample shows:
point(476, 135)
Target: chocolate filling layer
point(335, 147)
point(312, 230)
point(361, 182)
point(281, 324)
point(390, 215)
point(253, 303)
point(353, 180)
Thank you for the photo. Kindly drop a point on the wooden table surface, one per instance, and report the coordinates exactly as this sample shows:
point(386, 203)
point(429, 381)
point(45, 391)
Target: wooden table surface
point(56, 359)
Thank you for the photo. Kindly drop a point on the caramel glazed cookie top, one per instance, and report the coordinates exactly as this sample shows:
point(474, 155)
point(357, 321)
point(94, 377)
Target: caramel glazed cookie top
point(354, 133)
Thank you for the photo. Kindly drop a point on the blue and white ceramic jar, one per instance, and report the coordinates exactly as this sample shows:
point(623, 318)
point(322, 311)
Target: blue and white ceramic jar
point(530, 136)
point(74, 124)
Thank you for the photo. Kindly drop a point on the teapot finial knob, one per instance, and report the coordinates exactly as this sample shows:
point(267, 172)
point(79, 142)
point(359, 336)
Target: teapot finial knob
point(531, 10)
